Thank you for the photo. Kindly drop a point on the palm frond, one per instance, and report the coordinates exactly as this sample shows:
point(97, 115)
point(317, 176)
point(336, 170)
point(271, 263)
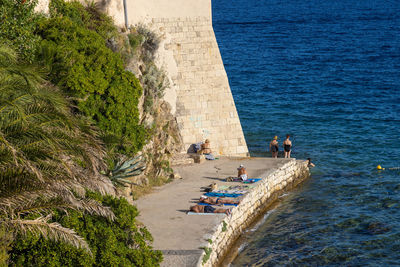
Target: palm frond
point(51, 230)
point(48, 156)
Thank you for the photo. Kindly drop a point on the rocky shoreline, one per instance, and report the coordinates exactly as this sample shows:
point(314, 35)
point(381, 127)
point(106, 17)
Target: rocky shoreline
point(255, 203)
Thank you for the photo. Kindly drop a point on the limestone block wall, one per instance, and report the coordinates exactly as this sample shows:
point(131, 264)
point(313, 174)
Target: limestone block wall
point(204, 104)
point(255, 202)
point(200, 95)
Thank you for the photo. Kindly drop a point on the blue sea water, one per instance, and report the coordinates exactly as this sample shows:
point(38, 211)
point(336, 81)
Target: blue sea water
point(328, 73)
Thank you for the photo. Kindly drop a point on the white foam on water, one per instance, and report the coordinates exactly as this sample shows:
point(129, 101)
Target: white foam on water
point(266, 215)
point(284, 195)
point(242, 246)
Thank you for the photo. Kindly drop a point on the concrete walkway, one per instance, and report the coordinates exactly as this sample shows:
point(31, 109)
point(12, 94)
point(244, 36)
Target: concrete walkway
point(181, 236)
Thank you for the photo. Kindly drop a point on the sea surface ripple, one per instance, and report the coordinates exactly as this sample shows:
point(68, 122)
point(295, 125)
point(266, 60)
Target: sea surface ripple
point(328, 73)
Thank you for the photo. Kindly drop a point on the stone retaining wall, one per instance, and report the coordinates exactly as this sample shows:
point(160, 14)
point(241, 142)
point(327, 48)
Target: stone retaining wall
point(251, 206)
point(199, 91)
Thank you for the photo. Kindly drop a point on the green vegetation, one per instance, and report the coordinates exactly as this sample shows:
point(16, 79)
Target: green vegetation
point(18, 22)
point(207, 254)
point(58, 125)
point(5, 245)
point(40, 143)
point(125, 169)
point(84, 67)
point(118, 243)
point(224, 226)
point(153, 79)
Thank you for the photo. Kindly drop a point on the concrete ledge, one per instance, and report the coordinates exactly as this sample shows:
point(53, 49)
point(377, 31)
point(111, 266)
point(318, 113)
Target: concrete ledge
point(184, 238)
point(252, 205)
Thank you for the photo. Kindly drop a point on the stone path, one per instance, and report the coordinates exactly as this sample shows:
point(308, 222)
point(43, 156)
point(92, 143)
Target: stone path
point(181, 236)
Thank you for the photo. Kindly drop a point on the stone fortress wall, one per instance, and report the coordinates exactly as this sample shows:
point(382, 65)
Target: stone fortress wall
point(199, 92)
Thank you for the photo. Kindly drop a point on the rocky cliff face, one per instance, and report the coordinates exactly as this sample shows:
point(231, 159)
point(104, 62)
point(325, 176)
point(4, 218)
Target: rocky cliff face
point(156, 114)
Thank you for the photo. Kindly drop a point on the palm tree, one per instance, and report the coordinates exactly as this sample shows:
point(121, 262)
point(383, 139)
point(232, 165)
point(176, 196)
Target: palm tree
point(48, 156)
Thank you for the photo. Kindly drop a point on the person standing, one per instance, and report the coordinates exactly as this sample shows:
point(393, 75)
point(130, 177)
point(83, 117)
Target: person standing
point(287, 146)
point(273, 147)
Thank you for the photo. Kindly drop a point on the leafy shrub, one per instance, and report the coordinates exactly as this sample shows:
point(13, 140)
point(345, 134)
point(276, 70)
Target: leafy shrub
point(85, 68)
point(150, 42)
point(135, 40)
point(89, 17)
point(18, 21)
point(118, 243)
point(153, 79)
point(40, 142)
point(5, 241)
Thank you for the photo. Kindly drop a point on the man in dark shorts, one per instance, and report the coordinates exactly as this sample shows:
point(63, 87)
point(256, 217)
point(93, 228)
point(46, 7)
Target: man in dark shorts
point(287, 146)
point(208, 209)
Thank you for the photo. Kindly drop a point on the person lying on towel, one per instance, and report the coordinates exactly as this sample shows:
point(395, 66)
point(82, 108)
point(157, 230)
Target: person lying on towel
point(217, 200)
point(208, 209)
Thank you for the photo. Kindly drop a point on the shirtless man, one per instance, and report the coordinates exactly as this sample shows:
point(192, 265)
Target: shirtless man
point(217, 200)
point(287, 146)
point(273, 147)
point(242, 173)
point(208, 209)
point(206, 148)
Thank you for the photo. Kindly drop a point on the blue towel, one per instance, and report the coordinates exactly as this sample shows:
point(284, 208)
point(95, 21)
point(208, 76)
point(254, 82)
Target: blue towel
point(209, 156)
point(211, 194)
point(250, 181)
point(206, 204)
point(203, 213)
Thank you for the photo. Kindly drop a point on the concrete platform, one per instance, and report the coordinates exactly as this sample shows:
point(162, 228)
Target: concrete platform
point(181, 236)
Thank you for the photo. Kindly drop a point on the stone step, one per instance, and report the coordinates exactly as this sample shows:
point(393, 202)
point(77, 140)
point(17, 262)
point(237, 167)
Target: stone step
point(181, 159)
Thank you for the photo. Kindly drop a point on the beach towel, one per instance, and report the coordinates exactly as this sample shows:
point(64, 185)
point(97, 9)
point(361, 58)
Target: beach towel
point(212, 194)
point(209, 156)
point(248, 181)
point(197, 213)
point(233, 191)
point(236, 187)
point(206, 204)
point(253, 180)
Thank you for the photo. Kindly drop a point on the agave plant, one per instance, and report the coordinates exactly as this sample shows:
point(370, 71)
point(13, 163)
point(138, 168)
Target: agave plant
point(126, 169)
point(48, 156)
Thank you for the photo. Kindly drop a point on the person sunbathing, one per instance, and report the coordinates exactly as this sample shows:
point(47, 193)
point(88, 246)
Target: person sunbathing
point(208, 209)
point(217, 200)
point(206, 147)
point(242, 173)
